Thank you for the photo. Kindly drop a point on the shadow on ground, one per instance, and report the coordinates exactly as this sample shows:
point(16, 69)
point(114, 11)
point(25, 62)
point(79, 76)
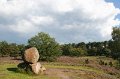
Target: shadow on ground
point(13, 69)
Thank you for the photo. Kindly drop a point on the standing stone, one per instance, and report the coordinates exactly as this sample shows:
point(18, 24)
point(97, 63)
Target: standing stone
point(31, 55)
point(31, 64)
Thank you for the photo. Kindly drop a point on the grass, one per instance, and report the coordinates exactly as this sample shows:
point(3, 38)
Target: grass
point(13, 74)
point(8, 71)
point(57, 70)
point(75, 67)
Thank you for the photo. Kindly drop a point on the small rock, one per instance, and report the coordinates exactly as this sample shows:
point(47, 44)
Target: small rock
point(42, 68)
point(36, 67)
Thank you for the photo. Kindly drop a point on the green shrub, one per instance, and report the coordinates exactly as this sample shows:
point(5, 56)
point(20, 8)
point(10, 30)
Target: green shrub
point(111, 64)
point(105, 64)
point(101, 62)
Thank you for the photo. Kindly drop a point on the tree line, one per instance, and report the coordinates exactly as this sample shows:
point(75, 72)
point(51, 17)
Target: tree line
point(49, 49)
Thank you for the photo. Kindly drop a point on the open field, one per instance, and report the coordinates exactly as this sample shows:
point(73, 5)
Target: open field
point(63, 68)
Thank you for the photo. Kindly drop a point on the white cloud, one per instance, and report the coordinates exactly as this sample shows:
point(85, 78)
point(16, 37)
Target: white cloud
point(23, 26)
point(41, 20)
point(66, 20)
point(31, 25)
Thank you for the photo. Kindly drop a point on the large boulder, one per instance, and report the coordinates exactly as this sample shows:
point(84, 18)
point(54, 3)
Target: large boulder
point(31, 55)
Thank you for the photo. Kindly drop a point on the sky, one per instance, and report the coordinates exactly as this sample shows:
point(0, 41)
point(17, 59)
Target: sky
point(68, 21)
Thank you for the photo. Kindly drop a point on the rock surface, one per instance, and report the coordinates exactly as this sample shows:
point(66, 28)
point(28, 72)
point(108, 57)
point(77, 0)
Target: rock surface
point(31, 55)
point(36, 67)
point(42, 69)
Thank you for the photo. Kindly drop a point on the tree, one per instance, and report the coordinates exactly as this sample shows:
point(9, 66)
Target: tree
point(66, 49)
point(9, 49)
point(48, 48)
point(77, 52)
point(73, 50)
point(13, 50)
point(92, 51)
point(107, 52)
point(115, 44)
point(4, 48)
point(21, 48)
point(116, 34)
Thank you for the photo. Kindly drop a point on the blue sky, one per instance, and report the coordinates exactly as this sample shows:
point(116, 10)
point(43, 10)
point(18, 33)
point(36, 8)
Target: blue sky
point(116, 2)
point(67, 21)
point(117, 5)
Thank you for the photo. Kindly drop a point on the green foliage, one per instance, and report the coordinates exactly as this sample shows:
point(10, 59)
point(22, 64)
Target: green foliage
point(66, 49)
point(92, 51)
point(116, 34)
point(72, 50)
point(11, 49)
point(77, 52)
point(107, 52)
point(101, 62)
point(48, 48)
point(111, 64)
point(118, 63)
point(21, 48)
point(115, 44)
point(4, 47)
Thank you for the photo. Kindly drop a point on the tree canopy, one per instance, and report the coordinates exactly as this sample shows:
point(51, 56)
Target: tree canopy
point(48, 48)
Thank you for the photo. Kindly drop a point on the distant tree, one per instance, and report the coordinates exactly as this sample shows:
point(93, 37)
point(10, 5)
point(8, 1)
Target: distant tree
point(116, 34)
point(115, 44)
point(66, 49)
point(4, 48)
point(73, 50)
point(77, 52)
point(107, 52)
point(13, 50)
point(48, 48)
point(92, 51)
point(9, 49)
point(21, 48)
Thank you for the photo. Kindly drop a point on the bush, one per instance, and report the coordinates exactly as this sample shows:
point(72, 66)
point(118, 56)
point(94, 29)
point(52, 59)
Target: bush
point(118, 64)
point(105, 64)
point(25, 68)
point(86, 61)
point(101, 62)
point(111, 64)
